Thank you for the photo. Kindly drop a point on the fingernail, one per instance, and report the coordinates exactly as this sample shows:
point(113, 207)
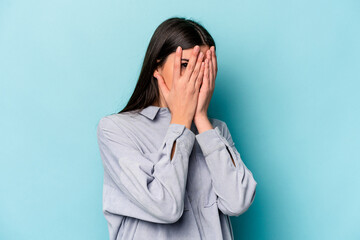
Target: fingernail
point(178, 49)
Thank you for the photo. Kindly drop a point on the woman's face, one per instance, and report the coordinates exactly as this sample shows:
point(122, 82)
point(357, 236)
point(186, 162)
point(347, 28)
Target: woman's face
point(166, 71)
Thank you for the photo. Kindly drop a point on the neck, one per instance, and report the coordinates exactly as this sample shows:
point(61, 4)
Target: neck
point(161, 103)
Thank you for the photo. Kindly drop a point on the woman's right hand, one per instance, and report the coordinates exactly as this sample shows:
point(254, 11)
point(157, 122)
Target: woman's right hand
point(182, 98)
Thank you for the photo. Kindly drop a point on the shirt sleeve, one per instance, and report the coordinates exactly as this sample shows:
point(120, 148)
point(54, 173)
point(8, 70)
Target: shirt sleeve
point(153, 185)
point(234, 186)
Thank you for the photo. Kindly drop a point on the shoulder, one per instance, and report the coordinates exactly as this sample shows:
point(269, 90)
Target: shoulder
point(221, 124)
point(116, 120)
point(216, 121)
point(222, 127)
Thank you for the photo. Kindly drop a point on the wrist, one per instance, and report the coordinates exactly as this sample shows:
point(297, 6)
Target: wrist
point(201, 117)
point(184, 122)
point(203, 124)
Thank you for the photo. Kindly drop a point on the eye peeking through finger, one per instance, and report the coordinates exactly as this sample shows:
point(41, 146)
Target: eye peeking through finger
point(184, 65)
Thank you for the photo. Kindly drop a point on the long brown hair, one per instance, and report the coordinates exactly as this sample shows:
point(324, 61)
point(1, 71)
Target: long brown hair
point(170, 34)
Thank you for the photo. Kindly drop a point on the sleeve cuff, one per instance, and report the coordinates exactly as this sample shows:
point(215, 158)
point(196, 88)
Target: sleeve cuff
point(210, 141)
point(184, 135)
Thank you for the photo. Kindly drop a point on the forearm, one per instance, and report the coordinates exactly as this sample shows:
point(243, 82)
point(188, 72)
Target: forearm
point(203, 124)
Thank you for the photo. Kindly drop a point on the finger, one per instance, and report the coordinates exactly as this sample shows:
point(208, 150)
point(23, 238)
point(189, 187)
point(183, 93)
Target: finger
point(209, 71)
point(192, 62)
point(199, 79)
point(205, 83)
point(206, 72)
point(163, 88)
point(177, 63)
point(211, 76)
point(214, 60)
point(195, 73)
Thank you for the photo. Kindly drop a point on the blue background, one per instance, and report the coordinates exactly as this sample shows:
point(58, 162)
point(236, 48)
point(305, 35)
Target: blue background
point(288, 87)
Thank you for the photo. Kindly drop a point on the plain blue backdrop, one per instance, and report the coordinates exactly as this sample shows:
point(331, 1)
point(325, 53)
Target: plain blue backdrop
point(287, 86)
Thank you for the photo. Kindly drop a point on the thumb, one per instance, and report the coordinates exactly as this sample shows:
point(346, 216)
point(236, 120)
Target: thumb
point(164, 89)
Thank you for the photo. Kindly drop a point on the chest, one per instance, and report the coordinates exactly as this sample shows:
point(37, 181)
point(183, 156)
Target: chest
point(199, 189)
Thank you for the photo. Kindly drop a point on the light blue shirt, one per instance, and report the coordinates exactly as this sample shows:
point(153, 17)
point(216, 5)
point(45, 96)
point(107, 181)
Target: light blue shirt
point(148, 196)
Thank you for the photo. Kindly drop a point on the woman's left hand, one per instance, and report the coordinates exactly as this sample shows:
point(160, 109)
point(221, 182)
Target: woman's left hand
point(208, 85)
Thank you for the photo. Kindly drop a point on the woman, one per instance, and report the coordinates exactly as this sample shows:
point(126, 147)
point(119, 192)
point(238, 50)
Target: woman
point(159, 183)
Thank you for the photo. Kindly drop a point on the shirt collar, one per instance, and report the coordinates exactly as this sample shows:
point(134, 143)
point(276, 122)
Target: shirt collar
point(151, 111)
